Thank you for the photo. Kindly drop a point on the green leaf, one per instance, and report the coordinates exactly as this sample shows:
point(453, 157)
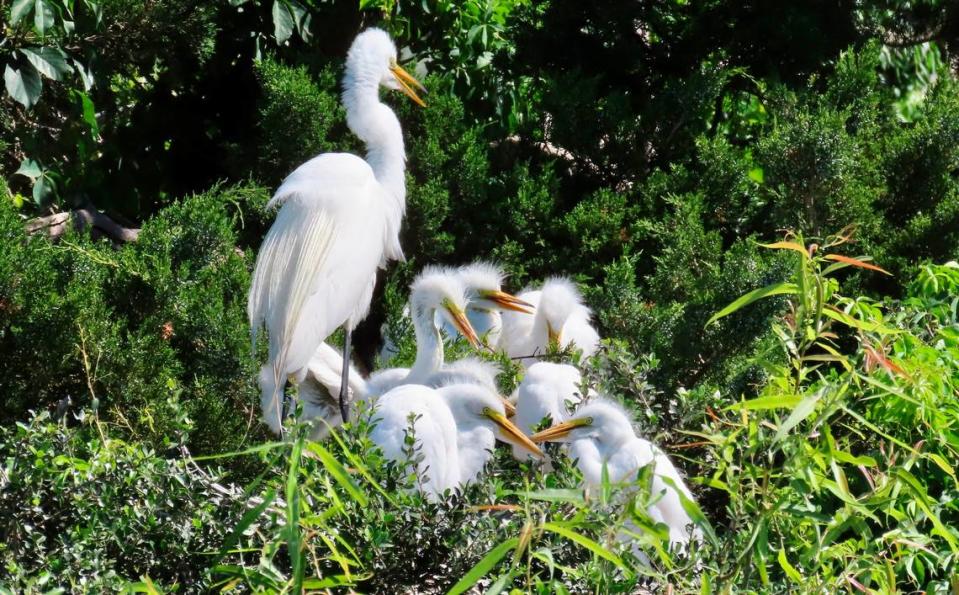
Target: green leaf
point(88, 113)
point(20, 9)
point(482, 568)
point(762, 403)
point(922, 501)
point(294, 537)
point(50, 62)
point(752, 296)
point(588, 544)
point(338, 472)
point(246, 520)
point(283, 22)
point(43, 16)
point(788, 568)
point(757, 175)
point(872, 327)
point(30, 169)
point(23, 85)
point(803, 410)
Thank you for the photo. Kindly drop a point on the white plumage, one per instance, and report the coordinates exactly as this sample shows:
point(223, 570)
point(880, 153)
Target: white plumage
point(561, 318)
point(547, 390)
point(434, 292)
point(338, 221)
point(600, 433)
point(434, 430)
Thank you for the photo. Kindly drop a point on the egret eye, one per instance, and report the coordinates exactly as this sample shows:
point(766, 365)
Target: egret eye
point(487, 411)
point(589, 421)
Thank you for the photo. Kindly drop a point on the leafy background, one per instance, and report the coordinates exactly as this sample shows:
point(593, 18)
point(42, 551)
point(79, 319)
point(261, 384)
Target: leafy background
point(645, 149)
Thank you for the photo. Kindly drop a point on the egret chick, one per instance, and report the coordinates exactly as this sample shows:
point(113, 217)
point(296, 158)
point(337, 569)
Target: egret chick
point(547, 390)
point(434, 292)
point(600, 434)
point(561, 320)
point(483, 282)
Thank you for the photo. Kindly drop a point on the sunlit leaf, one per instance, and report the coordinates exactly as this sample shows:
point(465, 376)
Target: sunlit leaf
point(752, 296)
point(770, 402)
point(23, 84)
point(337, 470)
point(788, 568)
point(856, 263)
point(50, 62)
point(19, 10)
point(283, 22)
point(795, 247)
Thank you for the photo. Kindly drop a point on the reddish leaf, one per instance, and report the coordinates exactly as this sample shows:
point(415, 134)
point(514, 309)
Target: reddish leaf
point(856, 263)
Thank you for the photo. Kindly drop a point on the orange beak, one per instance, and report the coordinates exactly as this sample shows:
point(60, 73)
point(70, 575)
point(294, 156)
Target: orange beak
point(407, 82)
point(508, 301)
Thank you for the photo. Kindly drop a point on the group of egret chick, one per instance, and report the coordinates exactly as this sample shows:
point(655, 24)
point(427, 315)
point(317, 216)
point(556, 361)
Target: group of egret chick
point(338, 222)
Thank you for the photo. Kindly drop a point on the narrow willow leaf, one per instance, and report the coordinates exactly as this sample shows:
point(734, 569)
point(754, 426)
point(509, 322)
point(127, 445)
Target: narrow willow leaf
point(856, 263)
point(482, 568)
point(338, 472)
point(762, 403)
point(788, 568)
point(587, 544)
point(871, 327)
point(922, 501)
point(248, 518)
point(788, 246)
point(803, 410)
point(752, 296)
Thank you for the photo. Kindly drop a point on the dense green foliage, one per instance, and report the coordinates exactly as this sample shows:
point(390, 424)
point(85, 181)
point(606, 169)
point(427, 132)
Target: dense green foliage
point(644, 149)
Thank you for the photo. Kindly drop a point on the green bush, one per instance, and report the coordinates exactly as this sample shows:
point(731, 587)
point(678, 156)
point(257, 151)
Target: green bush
point(92, 514)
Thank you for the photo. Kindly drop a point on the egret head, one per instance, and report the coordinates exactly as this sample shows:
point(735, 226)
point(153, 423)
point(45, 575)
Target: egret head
point(436, 289)
point(472, 370)
point(476, 404)
point(600, 419)
point(483, 283)
point(558, 301)
point(372, 59)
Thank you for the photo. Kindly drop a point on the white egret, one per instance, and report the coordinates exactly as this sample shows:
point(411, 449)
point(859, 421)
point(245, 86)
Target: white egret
point(561, 319)
point(434, 292)
point(454, 429)
point(481, 420)
point(600, 434)
point(485, 301)
point(319, 391)
point(339, 220)
point(425, 412)
point(547, 390)
point(484, 287)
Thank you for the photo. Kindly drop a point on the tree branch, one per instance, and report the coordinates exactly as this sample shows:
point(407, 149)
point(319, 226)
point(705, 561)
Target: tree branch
point(57, 224)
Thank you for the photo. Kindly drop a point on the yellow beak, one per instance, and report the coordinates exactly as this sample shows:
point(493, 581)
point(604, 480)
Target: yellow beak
point(508, 301)
point(508, 406)
point(515, 434)
point(407, 82)
point(558, 431)
point(462, 324)
point(555, 336)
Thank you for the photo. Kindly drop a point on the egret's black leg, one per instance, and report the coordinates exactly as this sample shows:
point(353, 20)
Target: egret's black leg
point(285, 409)
point(345, 382)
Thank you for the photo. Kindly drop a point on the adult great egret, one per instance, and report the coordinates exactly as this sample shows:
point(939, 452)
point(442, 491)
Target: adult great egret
point(455, 429)
point(600, 434)
point(561, 319)
point(339, 220)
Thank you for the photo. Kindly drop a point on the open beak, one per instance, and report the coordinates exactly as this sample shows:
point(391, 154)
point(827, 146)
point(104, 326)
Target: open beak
point(508, 301)
point(508, 406)
point(515, 435)
point(407, 82)
point(555, 336)
point(462, 324)
point(558, 432)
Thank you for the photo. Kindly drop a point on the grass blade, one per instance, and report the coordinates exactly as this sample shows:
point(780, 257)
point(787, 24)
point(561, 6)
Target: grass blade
point(338, 472)
point(482, 568)
point(588, 544)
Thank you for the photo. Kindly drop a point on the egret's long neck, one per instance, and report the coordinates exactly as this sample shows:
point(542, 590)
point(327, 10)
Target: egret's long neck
point(377, 126)
point(429, 345)
point(540, 332)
